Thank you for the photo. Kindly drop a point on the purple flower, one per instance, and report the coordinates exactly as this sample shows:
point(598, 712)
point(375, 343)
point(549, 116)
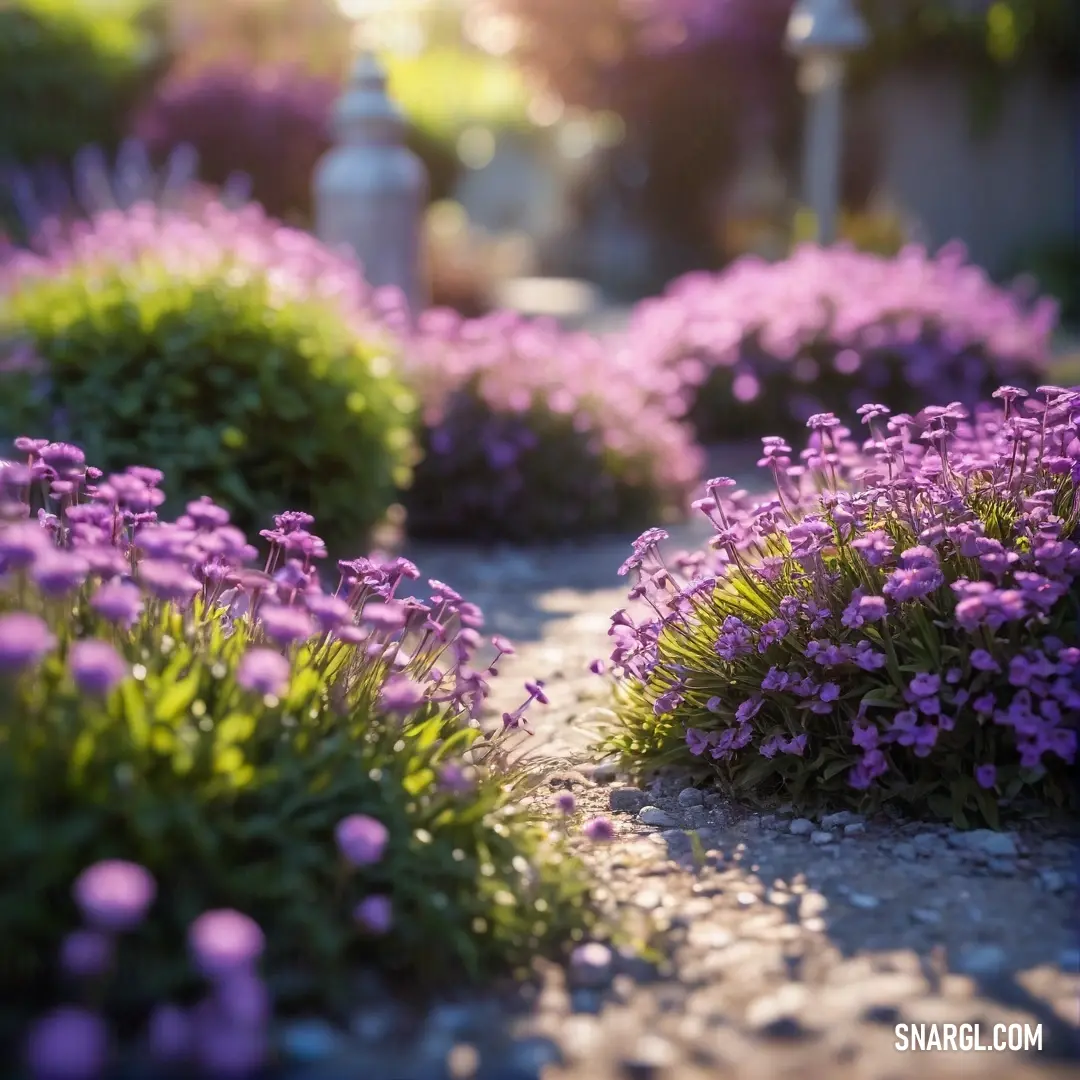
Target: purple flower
point(69, 1043)
point(286, 625)
point(400, 695)
point(96, 666)
point(981, 660)
point(698, 741)
point(57, 573)
point(375, 914)
point(86, 954)
point(361, 839)
point(114, 895)
point(223, 942)
point(597, 667)
point(565, 802)
point(599, 829)
point(118, 601)
point(169, 1035)
point(986, 776)
point(924, 685)
point(168, 580)
point(263, 671)
point(24, 640)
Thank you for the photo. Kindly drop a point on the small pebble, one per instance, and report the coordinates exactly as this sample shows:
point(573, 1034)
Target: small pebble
point(864, 901)
point(626, 800)
point(982, 960)
point(1051, 881)
point(691, 796)
point(905, 851)
point(854, 829)
point(592, 965)
point(462, 1062)
point(653, 815)
point(745, 899)
point(984, 841)
point(309, 1041)
point(820, 838)
point(801, 827)
point(648, 899)
point(926, 916)
point(842, 817)
point(1002, 867)
point(1069, 961)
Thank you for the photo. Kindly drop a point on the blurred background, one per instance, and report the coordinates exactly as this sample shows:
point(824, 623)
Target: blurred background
point(581, 153)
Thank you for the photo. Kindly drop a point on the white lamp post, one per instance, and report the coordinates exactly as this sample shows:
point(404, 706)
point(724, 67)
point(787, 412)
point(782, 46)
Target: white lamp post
point(370, 189)
point(822, 33)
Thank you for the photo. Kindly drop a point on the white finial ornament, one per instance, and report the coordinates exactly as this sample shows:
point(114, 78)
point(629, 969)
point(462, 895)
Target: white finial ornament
point(369, 189)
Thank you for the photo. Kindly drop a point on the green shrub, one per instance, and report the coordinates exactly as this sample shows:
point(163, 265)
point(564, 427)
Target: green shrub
point(893, 625)
point(204, 344)
point(163, 705)
point(70, 72)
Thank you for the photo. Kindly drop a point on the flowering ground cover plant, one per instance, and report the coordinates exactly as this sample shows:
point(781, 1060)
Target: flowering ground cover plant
point(224, 788)
point(531, 433)
point(762, 347)
point(900, 621)
point(234, 352)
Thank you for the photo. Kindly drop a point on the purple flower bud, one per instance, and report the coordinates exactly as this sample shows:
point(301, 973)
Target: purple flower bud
point(224, 942)
point(169, 1035)
point(69, 1043)
point(375, 914)
point(114, 895)
point(24, 639)
point(119, 602)
point(599, 830)
point(565, 802)
point(263, 671)
point(361, 839)
point(986, 776)
point(86, 954)
point(96, 666)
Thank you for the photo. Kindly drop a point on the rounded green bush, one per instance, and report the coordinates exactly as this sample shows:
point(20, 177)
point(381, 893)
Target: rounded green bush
point(205, 345)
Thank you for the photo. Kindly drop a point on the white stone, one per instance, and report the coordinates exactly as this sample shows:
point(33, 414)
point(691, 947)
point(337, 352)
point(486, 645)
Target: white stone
point(842, 817)
point(691, 796)
point(653, 815)
point(984, 841)
point(820, 838)
point(801, 827)
point(856, 828)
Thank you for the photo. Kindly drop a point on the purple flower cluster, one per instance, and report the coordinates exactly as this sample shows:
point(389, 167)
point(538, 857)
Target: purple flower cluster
point(225, 1033)
point(829, 328)
point(195, 244)
point(269, 124)
point(533, 429)
point(86, 586)
point(901, 604)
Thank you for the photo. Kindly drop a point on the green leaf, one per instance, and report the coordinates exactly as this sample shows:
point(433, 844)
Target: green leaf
point(177, 698)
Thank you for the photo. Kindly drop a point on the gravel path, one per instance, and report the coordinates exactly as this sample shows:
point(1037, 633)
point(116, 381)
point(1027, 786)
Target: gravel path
point(784, 947)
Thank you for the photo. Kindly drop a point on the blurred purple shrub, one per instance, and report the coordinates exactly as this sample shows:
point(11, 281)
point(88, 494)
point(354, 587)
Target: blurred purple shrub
point(271, 124)
point(762, 347)
point(532, 433)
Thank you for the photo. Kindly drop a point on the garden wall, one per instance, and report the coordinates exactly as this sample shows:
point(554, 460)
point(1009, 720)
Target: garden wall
point(1009, 190)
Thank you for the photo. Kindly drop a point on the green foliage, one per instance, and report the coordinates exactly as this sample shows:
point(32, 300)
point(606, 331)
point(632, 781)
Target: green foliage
point(231, 800)
point(70, 72)
point(236, 394)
